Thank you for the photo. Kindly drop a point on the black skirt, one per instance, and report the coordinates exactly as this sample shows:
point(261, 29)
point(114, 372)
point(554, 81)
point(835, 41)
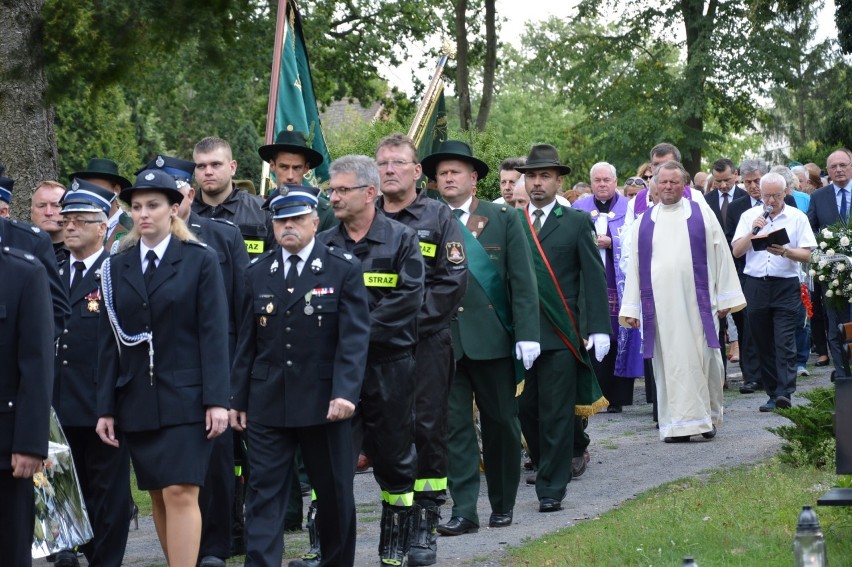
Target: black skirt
point(169, 456)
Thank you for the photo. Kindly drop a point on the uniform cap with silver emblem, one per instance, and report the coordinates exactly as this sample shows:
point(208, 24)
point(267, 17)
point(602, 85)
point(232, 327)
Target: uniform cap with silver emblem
point(6, 185)
point(293, 201)
point(153, 180)
point(181, 169)
point(86, 197)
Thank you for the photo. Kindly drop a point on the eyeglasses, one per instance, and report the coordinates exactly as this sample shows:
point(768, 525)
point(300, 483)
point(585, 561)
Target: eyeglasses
point(647, 177)
point(634, 181)
point(394, 162)
point(78, 221)
point(343, 190)
point(774, 196)
point(839, 166)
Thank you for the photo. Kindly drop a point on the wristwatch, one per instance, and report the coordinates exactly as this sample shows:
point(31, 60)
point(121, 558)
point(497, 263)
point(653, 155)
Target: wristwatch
point(784, 253)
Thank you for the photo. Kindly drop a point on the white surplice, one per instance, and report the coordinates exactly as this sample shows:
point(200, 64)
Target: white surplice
point(689, 374)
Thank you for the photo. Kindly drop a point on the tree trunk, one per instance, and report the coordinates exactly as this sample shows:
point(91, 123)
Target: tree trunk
point(490, 65)
point(462, 73)
point(698, 25)
point(27, 139)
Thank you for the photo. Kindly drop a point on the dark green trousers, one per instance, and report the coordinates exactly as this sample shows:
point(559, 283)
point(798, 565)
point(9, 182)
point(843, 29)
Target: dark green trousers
point(548, 421)
point(492, 384)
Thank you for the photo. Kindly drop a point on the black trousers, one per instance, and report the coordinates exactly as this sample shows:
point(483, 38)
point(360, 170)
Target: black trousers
point(216, 499)
point(328, 455)
point(617, 390)
point(104, 474)
point(384, 424)
point(749, 356)
point(435, 367)
point(17, 515)
point(774, 312)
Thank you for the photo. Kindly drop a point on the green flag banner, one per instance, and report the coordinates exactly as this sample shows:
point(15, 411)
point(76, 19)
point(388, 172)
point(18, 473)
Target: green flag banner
point(296, 107)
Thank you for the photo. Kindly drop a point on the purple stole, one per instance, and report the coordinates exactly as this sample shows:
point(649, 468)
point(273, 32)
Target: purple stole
point(642, 200)
point(698, 247)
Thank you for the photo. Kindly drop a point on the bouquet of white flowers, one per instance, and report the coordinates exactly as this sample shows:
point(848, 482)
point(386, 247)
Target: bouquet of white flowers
point(831, 264)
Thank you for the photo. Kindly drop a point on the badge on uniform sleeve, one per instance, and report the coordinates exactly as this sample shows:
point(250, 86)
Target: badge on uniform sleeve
point(274, 267)
point(455, 252)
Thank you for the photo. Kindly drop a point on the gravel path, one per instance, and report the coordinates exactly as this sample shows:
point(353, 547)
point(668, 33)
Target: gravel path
point(627, 458)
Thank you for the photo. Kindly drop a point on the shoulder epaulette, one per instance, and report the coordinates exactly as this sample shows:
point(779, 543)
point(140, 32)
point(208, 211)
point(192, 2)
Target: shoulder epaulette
point(19, 254)
point(264, 256)
point(26, 227)
point(225, 221)
point(340, 253)
point(196, 243)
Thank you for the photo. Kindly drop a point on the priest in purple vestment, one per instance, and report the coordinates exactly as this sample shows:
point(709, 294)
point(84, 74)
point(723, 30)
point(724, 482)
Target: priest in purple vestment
point(607, 208)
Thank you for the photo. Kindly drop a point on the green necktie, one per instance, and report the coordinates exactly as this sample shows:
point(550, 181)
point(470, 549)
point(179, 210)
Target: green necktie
point(537, 222)
point(458, 213)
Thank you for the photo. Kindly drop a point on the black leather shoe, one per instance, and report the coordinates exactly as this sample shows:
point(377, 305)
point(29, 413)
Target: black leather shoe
point(678, 439)
point(500, 520)
point(783, 402)
point(709, 434)
point(768, 406)
point(211, 561)
point(750, 388)
point(67, 558)
point(531, 478)
point(549, 505)
point(822, 362)
point(457, 526)
point(614, 409)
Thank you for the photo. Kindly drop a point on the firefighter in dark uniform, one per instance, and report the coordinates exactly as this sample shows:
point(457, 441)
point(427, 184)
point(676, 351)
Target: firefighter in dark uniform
point(219, 198)
point(446, 282)
point(32, 239)
point(26, 380)
point(394, 274)
point(298, 372)
point(103, 471)
point(291, 159)
point(216, 498)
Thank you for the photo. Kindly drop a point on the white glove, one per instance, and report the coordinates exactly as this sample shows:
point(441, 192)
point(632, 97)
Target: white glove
point(600, 342)
point(527, 351)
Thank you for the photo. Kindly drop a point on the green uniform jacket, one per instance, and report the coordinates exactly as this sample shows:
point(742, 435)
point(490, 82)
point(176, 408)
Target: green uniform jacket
point(568, 241)
point(477, 331)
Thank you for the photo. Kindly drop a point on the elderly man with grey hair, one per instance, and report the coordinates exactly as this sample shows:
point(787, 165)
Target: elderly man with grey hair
point(771, 278)
point(803, 200)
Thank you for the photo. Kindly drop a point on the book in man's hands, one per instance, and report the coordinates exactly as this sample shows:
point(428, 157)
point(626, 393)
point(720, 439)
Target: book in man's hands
point(762, 242)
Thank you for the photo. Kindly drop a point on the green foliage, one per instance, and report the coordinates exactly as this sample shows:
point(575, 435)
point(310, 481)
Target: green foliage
point(95, 124)
point(810, 439)
point(492, 149)
point(358, 137)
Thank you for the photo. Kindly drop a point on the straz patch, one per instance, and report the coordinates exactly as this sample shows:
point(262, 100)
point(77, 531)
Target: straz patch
point(372, 279)
point(455, 252)
point(254, 246)
point(428, 250)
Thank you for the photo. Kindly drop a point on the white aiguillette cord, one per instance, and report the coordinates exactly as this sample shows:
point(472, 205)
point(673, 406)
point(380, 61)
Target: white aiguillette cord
point(121, 337)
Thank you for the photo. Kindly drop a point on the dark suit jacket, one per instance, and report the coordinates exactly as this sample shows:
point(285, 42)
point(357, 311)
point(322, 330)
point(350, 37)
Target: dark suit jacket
point(29, 238)
point(569, 242)
point(75, 386)
point(290, 364)
point(224, 238)
point(26, 356)
point(186, 310)
point(823, 208)
point(476, 329)
point(712, 199)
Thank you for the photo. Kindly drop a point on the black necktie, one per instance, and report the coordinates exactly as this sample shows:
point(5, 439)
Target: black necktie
point(292, 273)
point(724, 209)
point(152, 267)
point(79, 268)
point(843, 210)
point(537, 222)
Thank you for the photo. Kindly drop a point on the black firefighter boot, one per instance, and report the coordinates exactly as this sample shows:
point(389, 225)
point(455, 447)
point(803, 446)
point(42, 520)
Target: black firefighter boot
point(424, 533)
point(394, 538)
point(312, 557)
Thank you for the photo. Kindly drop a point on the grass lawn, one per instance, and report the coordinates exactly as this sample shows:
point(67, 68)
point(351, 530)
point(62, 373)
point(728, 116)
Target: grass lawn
point(743, 516)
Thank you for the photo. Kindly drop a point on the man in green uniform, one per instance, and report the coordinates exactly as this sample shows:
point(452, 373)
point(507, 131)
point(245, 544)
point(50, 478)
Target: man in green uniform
point(572, 286)
point(497, 318)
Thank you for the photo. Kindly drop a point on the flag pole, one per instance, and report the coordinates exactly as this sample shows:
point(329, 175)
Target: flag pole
point(280, 22)
point(430, 98)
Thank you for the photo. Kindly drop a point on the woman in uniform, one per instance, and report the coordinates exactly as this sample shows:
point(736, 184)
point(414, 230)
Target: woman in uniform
point(163, 367)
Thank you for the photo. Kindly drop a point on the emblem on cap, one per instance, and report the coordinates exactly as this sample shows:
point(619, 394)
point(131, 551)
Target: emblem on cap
point(160, 161)
point(75, 185)
point(283, 191)
point(149, 177)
